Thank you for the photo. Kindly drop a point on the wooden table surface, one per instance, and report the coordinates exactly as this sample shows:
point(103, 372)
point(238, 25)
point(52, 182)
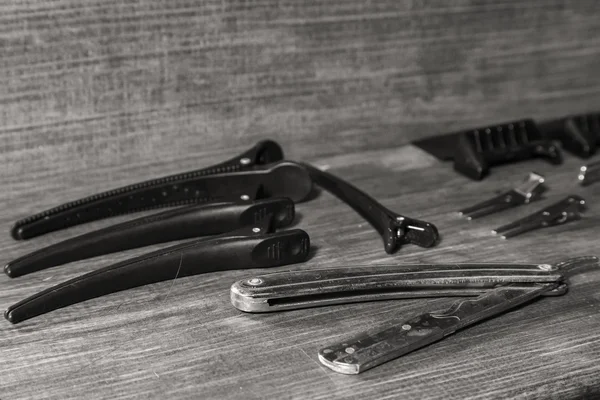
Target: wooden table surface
point(183, 339)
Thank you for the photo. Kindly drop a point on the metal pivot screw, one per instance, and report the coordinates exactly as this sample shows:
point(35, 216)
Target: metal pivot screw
point(406, 327)
point(255, 281)
point(545, 267)
point(255, 230)
point(245, 161)
point(245, 197)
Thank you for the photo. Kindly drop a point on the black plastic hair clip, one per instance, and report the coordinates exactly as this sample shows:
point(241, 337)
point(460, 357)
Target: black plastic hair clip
point(395, 229)
point(253, 245)
point(171, 225)
point(579, 134)
point(474, 151)
point(256, 174)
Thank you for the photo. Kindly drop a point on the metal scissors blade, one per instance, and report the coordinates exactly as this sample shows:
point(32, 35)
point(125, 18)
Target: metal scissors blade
point(531, 189)
point(568, 209)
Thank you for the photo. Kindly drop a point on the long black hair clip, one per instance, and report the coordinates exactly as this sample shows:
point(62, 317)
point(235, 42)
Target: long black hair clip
point(395, 229)
point(255, 174)
point(177, 224)
point(253, 246)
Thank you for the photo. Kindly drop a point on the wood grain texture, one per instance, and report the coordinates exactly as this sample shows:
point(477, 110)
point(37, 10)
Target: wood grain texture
point(93, 83)
point(183, 339)
point(99, 94)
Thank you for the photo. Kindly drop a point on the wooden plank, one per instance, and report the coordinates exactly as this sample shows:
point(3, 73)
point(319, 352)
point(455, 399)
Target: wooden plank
point(183, 339)
point(97, 83)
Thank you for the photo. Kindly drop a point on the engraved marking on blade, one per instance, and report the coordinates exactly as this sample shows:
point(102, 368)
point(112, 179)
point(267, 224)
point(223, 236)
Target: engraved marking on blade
point(420, 332)
point(382, 347)
point(260, 214)
point(274, 251)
